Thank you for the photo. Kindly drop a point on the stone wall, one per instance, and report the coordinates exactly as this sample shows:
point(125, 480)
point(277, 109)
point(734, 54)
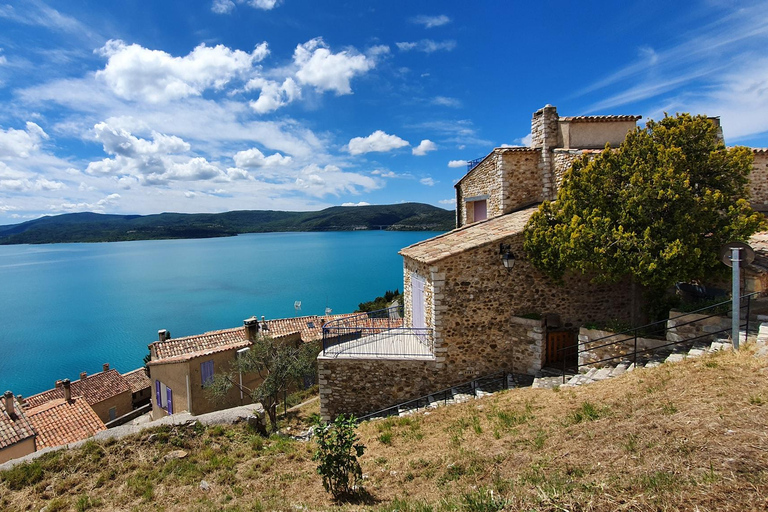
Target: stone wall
point(758, 181)
point(591, 347)
point(482, 180)
point(685, 326)
point(522, 178)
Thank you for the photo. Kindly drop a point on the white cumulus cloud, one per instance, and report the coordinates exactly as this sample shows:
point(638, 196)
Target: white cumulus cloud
point(227, 6)
point(377, 141)
point(273, 95)
point(361, 203)
point(451, 201)
point(427, 181)
point(330, 179)
point(424, 147)
point(328, 71)
point(457, 163)
point(137, 73)
point(21, 143)
point(251, 158)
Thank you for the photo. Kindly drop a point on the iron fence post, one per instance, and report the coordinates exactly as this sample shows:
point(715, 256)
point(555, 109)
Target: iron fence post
point(635, 354)
point(746, 328)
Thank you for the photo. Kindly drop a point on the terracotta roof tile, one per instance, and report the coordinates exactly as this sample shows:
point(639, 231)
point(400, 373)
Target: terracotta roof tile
point(94, 388)
point(599, 119)
point(13, 429)
point(468, 237)
point(60, 422)
point(760, 150)
point(138, 380)
point(182, 349)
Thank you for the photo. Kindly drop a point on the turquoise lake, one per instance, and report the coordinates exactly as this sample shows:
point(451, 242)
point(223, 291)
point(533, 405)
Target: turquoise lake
point(67, 308)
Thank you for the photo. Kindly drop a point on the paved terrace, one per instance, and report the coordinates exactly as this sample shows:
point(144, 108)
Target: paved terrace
point(399, 342)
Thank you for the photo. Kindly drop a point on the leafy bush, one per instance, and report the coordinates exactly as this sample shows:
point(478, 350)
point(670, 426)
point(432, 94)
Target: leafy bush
point(337, 453)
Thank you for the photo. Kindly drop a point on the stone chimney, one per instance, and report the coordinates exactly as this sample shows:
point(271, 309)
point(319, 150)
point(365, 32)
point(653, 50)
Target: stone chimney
point(544, 135)
point(83, 375)
point(105, 367)
point(163, 335)
point(9, 404)
point(251, 327)
point(67, 390)
point(59, 383)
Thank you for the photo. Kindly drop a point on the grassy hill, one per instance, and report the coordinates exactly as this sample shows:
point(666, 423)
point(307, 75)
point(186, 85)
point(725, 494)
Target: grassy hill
point(94, 227)
point(684, 436)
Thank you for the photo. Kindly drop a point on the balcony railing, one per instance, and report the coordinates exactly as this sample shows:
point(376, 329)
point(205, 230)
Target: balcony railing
point(471, 164)
point(376, 334)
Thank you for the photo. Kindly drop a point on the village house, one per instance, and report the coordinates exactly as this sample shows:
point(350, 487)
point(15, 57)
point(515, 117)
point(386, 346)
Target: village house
point(17, 436)
point(107, 392)
point(180, 368)
point(141, 387)
point(473, 301)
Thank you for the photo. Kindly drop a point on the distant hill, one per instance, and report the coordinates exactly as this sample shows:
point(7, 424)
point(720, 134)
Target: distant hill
point(95, 227)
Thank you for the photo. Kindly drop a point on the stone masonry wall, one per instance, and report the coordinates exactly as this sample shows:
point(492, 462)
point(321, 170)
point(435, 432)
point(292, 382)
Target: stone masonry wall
point(696, 325)
point(522, 179)
point(591, 341)
point(484, 179)
point(758, 181)
point(544, 135)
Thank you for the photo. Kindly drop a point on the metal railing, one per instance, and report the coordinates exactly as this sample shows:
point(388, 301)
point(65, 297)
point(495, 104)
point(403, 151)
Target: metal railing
point(490, 383)
point(661, 327)
point(379, 333)
point(471, 164)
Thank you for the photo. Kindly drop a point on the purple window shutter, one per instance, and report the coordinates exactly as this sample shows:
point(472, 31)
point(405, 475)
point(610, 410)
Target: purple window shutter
point(206, 372)
point(170, 400)
point(157, 394)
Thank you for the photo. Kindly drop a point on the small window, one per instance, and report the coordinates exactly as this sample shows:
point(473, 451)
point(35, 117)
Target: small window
point(112, 413)
point(206, 373)
point(480, 210)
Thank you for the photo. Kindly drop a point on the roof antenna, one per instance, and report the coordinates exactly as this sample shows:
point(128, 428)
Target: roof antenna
point(297, 307)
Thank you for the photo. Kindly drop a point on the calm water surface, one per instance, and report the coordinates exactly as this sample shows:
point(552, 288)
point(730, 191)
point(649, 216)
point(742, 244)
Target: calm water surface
point(67, 308)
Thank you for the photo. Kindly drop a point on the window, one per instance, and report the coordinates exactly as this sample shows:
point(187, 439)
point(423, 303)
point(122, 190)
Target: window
point(112, 413)
point(480, 210)
point(206, 373)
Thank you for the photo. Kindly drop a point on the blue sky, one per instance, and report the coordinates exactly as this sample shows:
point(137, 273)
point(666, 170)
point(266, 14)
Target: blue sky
point(144, 107)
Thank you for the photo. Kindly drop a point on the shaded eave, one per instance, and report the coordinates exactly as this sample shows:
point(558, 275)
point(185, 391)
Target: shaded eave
point(469, 237)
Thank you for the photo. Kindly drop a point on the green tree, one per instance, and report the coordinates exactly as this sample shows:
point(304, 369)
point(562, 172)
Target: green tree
point(278, 364)
point(657, 209)
point(337, 453)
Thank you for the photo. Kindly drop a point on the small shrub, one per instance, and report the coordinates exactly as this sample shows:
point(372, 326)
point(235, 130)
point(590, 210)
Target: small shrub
point(386, 438)
point(756, 400)
point(668, 408)
point(337, 453)
point(587, 412)
point(23, 475)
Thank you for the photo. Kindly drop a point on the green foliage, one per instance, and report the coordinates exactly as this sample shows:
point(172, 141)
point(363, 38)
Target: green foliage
point(278, 364)
point(658, 209)
point(379, 302)
point(23, 475)
point(336, 454)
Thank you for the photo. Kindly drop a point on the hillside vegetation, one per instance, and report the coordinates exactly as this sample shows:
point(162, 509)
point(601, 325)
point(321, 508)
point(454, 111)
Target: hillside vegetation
point(95, 227)
point(683, 436)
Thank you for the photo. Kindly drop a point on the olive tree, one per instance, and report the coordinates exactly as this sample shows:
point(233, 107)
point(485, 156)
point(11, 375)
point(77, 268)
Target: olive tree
point(277, 365)
point(657, 209)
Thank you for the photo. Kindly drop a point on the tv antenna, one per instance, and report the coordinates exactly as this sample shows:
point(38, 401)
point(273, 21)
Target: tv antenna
point(297, 307)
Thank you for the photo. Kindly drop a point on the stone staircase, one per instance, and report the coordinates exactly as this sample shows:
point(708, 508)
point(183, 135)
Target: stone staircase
point(551, 378)
point(649, 360)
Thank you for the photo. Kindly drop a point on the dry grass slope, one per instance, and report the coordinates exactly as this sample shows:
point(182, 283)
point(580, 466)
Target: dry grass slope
point(685, 436)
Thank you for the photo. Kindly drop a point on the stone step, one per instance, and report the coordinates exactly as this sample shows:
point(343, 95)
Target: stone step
point(675, 357)
point(602, 373)
point(619, 369)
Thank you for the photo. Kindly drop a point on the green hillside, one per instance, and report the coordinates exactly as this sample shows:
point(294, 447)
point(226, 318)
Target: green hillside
point(94, 227)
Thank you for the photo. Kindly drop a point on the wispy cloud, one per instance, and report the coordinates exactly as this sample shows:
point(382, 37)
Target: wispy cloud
point(431, 21)
point(427, 46)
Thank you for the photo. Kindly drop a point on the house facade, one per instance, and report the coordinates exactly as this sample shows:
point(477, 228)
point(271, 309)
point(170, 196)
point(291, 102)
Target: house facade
point(484, 305)
point(180, 368)
point(17, 436)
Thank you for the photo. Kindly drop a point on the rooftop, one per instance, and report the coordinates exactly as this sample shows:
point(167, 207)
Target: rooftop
point(16, 428)
point(94, 388)
point(599, 119)
point(138, 380)
point(61, 422)
point(469, 237)
point(188, 347)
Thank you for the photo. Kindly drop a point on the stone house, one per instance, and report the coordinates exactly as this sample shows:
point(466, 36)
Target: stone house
point(107, 392)
point(483, 308)
point(180, 367)
point(141, 387)
point(17, 436)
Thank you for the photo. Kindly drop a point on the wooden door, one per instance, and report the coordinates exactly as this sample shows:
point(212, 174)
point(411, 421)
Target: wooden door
point(562, 346)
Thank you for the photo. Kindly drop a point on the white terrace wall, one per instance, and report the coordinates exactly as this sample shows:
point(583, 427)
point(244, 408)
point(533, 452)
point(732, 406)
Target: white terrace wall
point(685, 326)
